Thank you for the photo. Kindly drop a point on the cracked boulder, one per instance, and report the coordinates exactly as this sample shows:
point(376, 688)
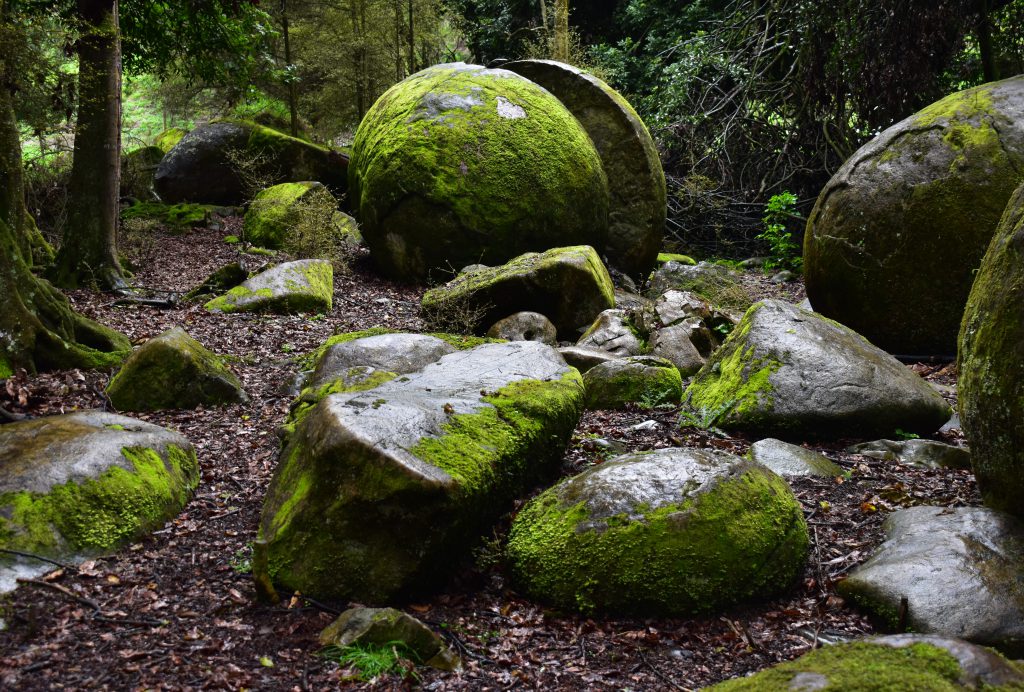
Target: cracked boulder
point(895, 237)
point(670, 532)
point(613, 331)
point(787, 372)
point(961, 571)
point(379, 493)
point(87, 483)
point(300, 286)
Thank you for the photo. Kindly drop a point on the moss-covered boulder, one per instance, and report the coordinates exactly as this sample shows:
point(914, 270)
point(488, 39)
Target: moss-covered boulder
point(87, 483)
point(137, 170)
point(221, 280)
point(300, 286)
point(893, 241)
point(379, 493)
point(273, 212)
point(636, 182)
point(173, 370)
point(460, 164)
point(569, 285)
point(669, 532)
point(646, 381)
point(961, 571)
point(991, 365)
point(169, 138)
point(788, 372)
point(896, 663)
point(176, 217)
point(200, 168)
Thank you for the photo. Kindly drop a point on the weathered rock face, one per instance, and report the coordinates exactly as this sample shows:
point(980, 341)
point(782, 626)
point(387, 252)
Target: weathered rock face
point(926, 453)
point(893, 241)
point(460, 164)
point(300, 286)
point(397, 353)
point(961, 571)
point(89, 482)
point(712, 282)
point(569, 285)
point(584, 359)
point(991, 365)
point(173, 370)
point(525, 326)
point(613, 332)
point(791, 373)
point(379, 492)
point(791, 460)
point(895, 662)
point(643, 380)
point(671, 532)
point(636, 182)
point(198, 169)
point(273, 212)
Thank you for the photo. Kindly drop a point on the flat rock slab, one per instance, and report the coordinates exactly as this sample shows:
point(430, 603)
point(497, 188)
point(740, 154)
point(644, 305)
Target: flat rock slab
point(379, 493)
point(961, 571)
point(792, 460)
point(668, 532)
point(397, 353)
point(86, 483)
point(926, 453)
point(787, 372)
point(583, 358)
point(894, 662)
point(636, 182)
point(300, 286)
point(569, 285)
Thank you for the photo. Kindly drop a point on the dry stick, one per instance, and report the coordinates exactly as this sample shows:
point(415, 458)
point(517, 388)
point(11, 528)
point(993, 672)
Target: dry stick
point(37, 557)
point(67, 592)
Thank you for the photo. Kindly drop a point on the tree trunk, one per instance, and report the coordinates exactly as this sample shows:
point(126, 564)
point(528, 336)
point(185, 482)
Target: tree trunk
point(38, 328)
point(88, 253)
point(293, 99)
point(560, 49)
point(989, 66)
point(412, 41)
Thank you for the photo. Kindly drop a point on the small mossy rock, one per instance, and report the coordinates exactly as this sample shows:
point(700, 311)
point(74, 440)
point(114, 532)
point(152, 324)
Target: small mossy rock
point(221, 280)
point(173, 370)
point(792, 460)
point(525, 326)
point(669, 532)
point(460, 164)
point(169, 138)
point(87, 483)
point(636, 182)
point(380, 493)
point(300, 286)
point(198, 168)
point(614, 332)
point(137, 170)
point(895, 237)
point(991, 365)
point(961, 570)
point(925, 453)
point(569, 285)
point(274, 212)
point(791, 373)
point(646, 381)
point(397, 353)
point(664, 257)
point(712, 282)
point(584, 359)
point(383, 627)
point(895, 663)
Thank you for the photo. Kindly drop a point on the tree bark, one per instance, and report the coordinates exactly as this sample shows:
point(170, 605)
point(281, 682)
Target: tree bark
point(561, 43)
point(88, 253)
point(38, 328)
point(989, 66)
point(293, 99)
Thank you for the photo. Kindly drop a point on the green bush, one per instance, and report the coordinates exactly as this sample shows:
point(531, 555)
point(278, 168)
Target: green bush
point(785, 252)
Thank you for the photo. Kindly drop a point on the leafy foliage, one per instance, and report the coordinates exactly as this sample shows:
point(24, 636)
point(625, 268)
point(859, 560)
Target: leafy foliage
point(785, 252)
point(370, 661)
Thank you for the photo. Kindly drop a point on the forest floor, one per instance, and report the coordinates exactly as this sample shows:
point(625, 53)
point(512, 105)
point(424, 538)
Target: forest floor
point(177, 611)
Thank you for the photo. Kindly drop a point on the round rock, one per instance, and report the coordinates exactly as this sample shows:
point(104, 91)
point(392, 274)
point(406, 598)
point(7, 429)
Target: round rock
point(525, 326)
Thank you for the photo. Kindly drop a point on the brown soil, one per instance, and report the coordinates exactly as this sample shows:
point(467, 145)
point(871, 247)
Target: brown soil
point(177, 610)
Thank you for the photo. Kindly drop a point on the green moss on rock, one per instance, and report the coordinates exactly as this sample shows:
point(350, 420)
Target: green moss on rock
point(459, 164)
point(174, 216)
point(273, 211)
point(292, 287)
point(644, 381)
point(167, 139)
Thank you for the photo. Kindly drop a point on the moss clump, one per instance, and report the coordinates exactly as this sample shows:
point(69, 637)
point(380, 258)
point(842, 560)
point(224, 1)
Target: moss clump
point(101, 514)
point(459, 164)
point(169, 138)
point(865, 666)
point(175, 216)
point(664, 257)
point(5, 367)
point(734, 384)
point(590, 544)
point(644, 381)
point(272, 213)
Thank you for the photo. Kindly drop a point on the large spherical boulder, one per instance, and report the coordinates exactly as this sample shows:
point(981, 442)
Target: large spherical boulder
point(991, 365)
point(895, 236)
point(460, 164)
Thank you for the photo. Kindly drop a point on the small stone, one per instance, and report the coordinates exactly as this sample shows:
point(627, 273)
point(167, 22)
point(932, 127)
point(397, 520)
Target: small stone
point(791, 460)
point(525, 326)
point(384, 626)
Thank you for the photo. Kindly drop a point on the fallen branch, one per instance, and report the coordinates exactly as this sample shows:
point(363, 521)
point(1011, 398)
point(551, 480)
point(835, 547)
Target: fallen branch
point(60, 589)
point(20, 553)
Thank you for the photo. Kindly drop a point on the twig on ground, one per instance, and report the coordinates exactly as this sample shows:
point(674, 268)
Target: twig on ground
point(20, 553)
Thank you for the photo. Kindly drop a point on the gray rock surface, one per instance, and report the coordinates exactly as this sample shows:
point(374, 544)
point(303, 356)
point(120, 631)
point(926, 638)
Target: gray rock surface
point(792, 460)
point(397, 353)
point(584, 359)
point(960, 569)
point(790, 373)
point(612, 332)
point(636, 182)
point(300, 286)
point(379, 493)
point(646, 381)
point(525, 326)
point(927, 453)
point(678, 344)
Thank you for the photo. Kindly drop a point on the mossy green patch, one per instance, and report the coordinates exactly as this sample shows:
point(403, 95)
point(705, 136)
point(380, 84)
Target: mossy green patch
point(646, 382)
point(5, 367)
point(355, 380)
point(272, 213)
point(101, 514)
point(174, 216)
point(664, 257)
point(169, 138)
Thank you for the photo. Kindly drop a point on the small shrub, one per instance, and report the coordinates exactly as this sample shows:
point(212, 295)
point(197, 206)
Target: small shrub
point(315, 233)
point(136, 241)
point(785, 252)
point(455, 315)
